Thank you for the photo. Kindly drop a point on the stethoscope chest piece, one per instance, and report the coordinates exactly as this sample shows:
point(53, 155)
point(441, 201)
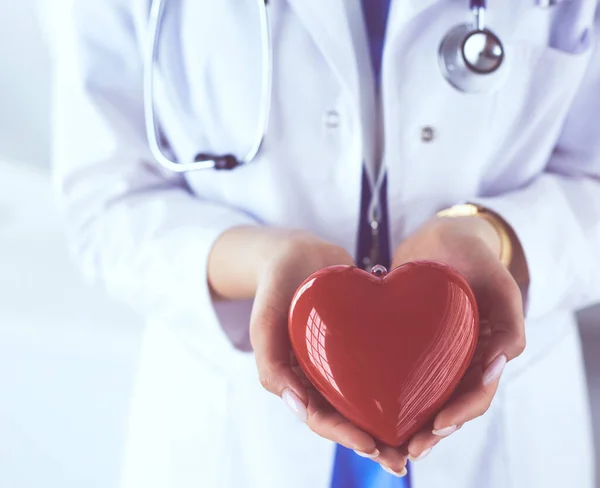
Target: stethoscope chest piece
point(472, 58)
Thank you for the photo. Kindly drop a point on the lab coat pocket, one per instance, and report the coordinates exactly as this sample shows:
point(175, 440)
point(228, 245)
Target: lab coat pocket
point(539, 75)
point(529, 111)
point(565, 27)
point(547, 52)
point(176, 432)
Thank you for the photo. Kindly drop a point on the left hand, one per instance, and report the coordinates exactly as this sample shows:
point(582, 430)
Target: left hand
point(471, 246)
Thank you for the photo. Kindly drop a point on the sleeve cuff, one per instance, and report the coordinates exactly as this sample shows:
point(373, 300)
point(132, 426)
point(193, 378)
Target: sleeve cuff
point(542, 220)
point(154, 256)
point(190, 268)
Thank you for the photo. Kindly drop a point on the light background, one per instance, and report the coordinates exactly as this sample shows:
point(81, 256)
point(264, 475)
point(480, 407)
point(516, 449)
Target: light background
point(67, 353)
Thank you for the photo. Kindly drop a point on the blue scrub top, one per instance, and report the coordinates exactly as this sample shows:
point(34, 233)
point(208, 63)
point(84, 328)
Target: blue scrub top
point(376, 16)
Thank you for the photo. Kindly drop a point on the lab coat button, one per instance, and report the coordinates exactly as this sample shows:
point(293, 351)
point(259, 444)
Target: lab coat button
point(332, 119)
point(427, 134)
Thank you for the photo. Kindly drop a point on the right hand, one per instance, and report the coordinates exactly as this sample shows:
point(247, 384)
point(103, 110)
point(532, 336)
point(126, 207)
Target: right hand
point(296, 256)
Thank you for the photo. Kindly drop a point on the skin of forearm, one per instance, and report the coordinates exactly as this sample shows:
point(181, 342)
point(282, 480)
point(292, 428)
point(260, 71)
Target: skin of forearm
point(241, 254)
point(236, 259)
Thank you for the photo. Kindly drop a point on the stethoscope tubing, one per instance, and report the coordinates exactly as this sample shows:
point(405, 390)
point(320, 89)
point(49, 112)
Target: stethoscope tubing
point(203, 161)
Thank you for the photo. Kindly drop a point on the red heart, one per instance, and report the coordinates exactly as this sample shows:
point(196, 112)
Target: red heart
point(386, 351)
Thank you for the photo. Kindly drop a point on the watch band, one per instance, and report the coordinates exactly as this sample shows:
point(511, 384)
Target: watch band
point(471, 210)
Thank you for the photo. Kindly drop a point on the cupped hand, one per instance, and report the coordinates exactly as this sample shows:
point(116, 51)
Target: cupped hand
point(471, 246)
point(293, 258)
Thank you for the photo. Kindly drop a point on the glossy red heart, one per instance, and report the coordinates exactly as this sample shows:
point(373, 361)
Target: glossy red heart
point(386, 351)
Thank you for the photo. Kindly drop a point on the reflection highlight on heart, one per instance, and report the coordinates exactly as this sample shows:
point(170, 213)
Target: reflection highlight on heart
point(436, 364)
point(316, 331)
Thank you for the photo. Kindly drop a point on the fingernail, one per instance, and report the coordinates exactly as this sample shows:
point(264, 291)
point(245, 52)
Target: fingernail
point(423, 455)
point(295, 404)
point(371, 455)
point(494, 370)
point(445, 431)
point(400, 474)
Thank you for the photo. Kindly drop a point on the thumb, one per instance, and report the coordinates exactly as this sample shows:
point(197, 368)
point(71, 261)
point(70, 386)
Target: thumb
point(502, 314)
point(272, 348)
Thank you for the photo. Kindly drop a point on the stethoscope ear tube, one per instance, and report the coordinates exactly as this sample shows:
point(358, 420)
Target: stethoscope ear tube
point(152, 128)
point(203, 160)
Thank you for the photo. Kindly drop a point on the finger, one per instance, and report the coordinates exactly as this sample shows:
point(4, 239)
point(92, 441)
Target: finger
point(301, 376)
point(270, 341)
point(325, 421)
point(501, 309)
point(392, 458)
point(328, 423)
point(466, 405)
point(507, 339)
point(299, 372)
point(422, 442)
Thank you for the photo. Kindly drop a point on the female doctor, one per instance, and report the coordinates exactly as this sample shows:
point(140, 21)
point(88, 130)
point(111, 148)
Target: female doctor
point(365, 142)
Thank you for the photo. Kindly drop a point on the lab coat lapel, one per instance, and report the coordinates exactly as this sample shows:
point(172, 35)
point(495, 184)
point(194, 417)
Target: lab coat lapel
point(327, 23)
point(402, 10)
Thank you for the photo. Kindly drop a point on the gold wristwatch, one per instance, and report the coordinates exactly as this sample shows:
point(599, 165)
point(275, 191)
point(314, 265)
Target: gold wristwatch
point(471, 210)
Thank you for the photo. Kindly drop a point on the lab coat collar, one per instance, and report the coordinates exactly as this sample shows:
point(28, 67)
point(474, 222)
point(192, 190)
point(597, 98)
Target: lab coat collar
point(403, 11)
point(327, 23)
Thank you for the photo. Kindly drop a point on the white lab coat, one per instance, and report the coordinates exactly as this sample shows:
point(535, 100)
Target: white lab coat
point(530, 151)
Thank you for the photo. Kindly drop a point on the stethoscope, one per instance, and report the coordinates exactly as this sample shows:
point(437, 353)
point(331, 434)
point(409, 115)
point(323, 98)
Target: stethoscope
point(471, 59)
